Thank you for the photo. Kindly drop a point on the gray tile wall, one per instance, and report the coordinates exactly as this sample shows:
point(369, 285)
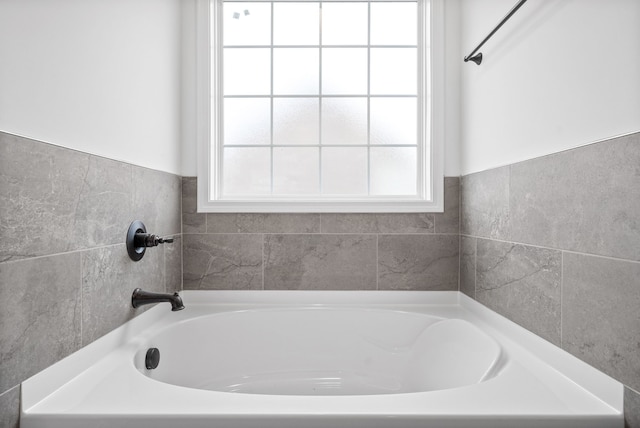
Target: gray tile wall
point(553, 244)
point(321, 251)
point(10, 408)
point(65, 277)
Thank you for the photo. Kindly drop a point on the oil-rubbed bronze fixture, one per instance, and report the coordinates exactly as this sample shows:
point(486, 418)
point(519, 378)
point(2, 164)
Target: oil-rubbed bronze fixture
point(138, 240)
point(477, 58)
point(141, 297)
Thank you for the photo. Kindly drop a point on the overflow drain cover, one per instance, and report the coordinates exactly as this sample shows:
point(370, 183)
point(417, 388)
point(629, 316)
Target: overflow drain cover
point(152, 359)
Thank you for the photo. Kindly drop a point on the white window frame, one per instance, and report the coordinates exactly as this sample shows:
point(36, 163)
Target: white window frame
point(432, 129)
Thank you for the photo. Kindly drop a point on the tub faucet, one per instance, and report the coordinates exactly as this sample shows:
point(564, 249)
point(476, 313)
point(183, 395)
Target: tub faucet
point(141, 297)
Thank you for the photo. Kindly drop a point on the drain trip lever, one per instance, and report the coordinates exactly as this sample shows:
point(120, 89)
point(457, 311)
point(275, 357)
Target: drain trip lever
point(138, 240)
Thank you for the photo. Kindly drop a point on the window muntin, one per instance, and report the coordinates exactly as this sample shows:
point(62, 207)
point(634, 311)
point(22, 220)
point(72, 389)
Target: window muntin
point(362, 145)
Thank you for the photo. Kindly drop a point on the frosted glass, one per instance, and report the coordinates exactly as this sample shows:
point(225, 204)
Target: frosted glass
point(393, 171)
point(344, 121)
point(295, 170)
point(344, 71)
point(394, 71)
point(394, 23)
point(247, 121)
point(296, 71)
point(344, 171)
point(246, 171)
point(394, 121)
point(344, 23)
point(246, 24)
point(296, 23)
point(247, 71)
point(296, 120)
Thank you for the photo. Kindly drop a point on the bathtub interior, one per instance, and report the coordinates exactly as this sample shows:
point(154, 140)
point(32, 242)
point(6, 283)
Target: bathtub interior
point(322, 351)
point(521, 381)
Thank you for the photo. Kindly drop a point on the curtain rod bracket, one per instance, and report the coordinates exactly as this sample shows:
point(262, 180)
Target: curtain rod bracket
point(476, 58)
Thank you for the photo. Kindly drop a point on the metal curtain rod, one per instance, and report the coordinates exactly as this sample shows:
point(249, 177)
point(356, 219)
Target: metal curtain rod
point(478, 58)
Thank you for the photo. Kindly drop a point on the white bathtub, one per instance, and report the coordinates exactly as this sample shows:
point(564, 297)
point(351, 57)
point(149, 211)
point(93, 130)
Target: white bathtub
point(322, 359)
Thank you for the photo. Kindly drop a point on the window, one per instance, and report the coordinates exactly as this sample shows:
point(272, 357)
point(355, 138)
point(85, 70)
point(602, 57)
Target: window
point(319, 106)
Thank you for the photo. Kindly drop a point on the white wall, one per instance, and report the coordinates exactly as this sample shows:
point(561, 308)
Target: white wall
point(559, 74)
point(452, 89)
point(189, 113)
point(453, 67)
point(99, 76)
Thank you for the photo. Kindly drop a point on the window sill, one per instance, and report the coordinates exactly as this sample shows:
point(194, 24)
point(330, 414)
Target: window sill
point(301, 206)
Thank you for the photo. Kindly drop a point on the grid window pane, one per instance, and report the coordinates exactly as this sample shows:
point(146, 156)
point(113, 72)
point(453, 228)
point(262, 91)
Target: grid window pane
point(296, 71)
point(344, 23)
point(394, 71)
point(394, 121)
point(335, 115)
point(247, 171)
point(394, 23)
point(247, 71)
point(296, 120)
point(246, 24)
point(344, 71)
point(247, 121)
point(344, 121)
point(295, 170)
point(393, 171)
point(344, 171)
point(296, 23)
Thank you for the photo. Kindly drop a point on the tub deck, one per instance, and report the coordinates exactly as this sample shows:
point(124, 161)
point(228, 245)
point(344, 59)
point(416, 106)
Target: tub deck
point(103, 384)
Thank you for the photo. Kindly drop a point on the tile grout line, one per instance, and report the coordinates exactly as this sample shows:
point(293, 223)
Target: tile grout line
point(561, 295)
point(630, 389)
point(182, 180)
point(327, 233)
point(377, 262)
point(81, 301)
point(80, 250)
point(459, 261)
point(460, 236)
point(504, 241)
point(475, 270)
point(9, 390)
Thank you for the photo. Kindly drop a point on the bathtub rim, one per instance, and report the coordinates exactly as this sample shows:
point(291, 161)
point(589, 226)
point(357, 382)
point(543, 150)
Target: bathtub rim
point(608, 390)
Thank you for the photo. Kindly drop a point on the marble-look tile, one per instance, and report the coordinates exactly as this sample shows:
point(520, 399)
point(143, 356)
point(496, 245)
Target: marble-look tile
point(468, 266)
point(377, 223)
point(54, 200)
point(103, 210)
point(263, 223)
point(522, 283)
point(109, 277)
point(10, 408)
point(192, 221)
point(485, 204)
point(222, 262)
point(449, 220)
point(157, 200)
point(173, 264)
point(600, 322)
point(39, 315)
point(320, 262)
point(631, 409)
point(418, 262)
point(585, 200)
point(40, 185)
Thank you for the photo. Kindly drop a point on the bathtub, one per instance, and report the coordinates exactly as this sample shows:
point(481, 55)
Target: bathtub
point(321, 359)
